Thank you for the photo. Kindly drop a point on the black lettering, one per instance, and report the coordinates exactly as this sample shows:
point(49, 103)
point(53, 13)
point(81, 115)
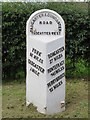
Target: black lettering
point(39, 68)
point(40, 22)
point(34, 71)
point(51, 89)
point(49, 84)
point(45, 33)
point(57, 85)
point(50, 55)
point(47, 22)
point(55, 66)
point(50, 22)
point(58, 57)
point(50, 15)
point(51, 61)
point(39, 59)
point(36, 52)
point(55, 80)
point(57, 71)
point(31, 54)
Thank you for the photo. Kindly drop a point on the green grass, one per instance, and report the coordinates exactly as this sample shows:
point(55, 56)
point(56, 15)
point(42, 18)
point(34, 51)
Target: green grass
point(14, 106)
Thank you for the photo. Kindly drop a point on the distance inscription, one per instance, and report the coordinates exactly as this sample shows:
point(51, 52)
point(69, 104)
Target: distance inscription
point(36, 66)
point(55, 55)
point(55, 69)
point(45, 23)
point(36, 55)
point(55, 83)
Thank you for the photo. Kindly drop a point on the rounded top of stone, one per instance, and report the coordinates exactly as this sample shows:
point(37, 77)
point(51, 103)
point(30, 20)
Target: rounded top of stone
point(45, 22)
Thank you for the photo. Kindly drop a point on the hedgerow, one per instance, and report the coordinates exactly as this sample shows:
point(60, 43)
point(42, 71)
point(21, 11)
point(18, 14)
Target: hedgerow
point(14, 18)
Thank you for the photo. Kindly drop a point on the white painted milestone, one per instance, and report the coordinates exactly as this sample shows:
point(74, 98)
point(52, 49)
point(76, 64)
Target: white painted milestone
point(45, 81)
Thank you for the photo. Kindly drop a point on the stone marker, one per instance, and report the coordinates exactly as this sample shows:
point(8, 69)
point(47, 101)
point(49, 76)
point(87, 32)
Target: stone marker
point(45, 82)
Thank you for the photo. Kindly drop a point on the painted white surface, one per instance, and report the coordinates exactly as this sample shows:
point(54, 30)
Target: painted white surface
point(40, 49)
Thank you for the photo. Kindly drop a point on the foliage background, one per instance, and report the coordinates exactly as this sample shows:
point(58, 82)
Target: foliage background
point(14, 18)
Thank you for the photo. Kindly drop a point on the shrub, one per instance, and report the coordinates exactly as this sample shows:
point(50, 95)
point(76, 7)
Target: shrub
point(14, 17)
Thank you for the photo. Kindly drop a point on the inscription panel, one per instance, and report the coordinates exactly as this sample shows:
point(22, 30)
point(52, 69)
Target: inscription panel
point(45, 23)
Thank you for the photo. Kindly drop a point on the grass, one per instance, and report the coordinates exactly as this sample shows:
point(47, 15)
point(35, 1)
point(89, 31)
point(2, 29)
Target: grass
point(13, 106)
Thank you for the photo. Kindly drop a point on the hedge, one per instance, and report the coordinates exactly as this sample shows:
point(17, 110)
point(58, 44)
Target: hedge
point(14, 17)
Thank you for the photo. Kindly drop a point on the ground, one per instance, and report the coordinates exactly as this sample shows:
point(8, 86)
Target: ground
point(14, 101)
